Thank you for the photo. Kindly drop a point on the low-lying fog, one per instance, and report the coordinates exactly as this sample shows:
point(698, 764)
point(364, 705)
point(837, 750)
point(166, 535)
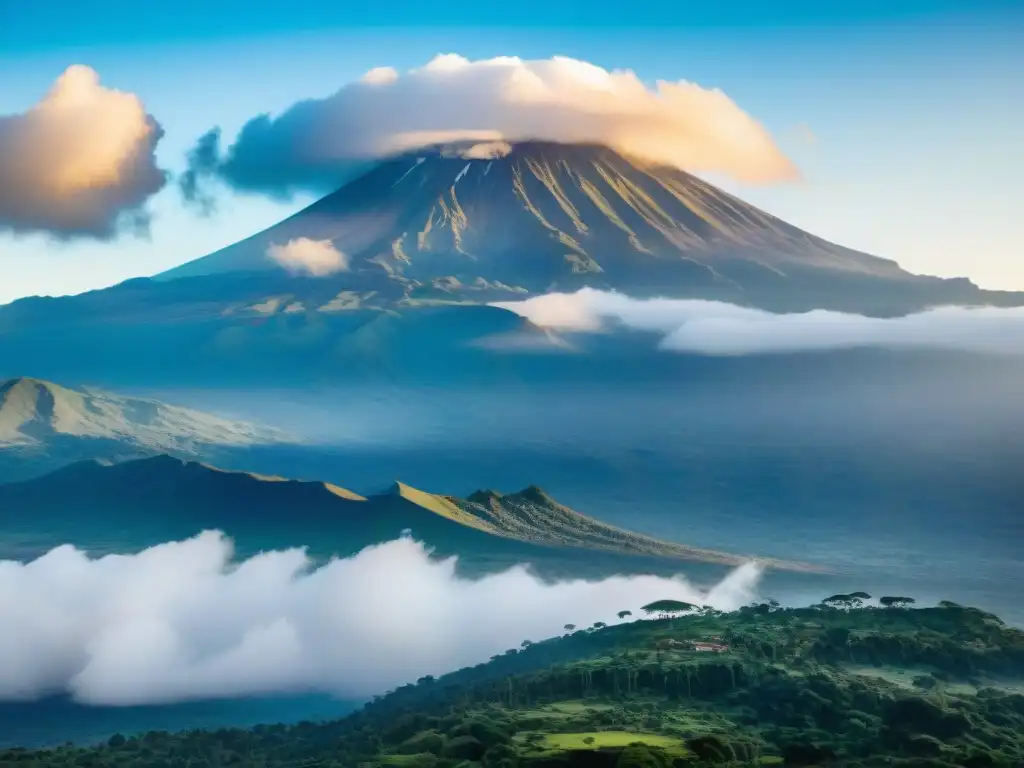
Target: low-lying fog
point(184, 620)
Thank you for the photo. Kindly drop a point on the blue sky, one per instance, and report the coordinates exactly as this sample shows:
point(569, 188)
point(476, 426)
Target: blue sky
point(915, 108)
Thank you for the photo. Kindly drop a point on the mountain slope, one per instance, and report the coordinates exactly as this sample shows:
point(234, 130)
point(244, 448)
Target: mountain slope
point(43, 424)
point(140, 503)
point(550, 216)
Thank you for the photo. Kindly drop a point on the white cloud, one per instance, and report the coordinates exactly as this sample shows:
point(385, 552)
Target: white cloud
point(183, 621)
point(318, 258)
point(380, 76)
point(79, 162)
point(715, 328)
point(313, 143)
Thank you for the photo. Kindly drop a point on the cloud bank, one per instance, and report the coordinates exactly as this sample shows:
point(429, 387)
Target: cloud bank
point(184, 621)
point(312, 145)
point(80, 162)
point(302, 256)
point(715, 328)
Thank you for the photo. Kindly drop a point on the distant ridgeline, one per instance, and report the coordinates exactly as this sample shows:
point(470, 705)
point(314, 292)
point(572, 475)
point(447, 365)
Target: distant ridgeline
point(131, 505)
point(838, 684)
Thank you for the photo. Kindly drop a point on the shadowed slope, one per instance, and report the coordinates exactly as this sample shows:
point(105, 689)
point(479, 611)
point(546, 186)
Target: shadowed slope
point(533, 515)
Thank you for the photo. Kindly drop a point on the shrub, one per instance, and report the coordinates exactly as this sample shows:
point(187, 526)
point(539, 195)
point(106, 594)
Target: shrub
point(427, 741)
point(463, 748)
point(638, 756)
point(711, 749)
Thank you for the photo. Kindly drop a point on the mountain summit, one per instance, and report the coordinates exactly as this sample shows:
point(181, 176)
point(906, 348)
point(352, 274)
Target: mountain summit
point(545, 217)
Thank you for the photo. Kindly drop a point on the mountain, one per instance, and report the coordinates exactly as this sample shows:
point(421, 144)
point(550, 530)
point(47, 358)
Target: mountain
point(44, 425)
point(135, 504)
point(548, 217)
point(432, 240)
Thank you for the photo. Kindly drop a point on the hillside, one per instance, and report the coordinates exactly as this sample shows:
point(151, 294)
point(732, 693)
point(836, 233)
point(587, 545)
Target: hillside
point(839, 683)
point(135, 504)
point(44, 425)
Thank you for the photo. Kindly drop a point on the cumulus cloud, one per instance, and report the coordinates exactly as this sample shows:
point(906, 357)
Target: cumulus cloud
point(716, 328)
point(80, 162)
point(303, 256)
point(312, 145)
point(183, 620)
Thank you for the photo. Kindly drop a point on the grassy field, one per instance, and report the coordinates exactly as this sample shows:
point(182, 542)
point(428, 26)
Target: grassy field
point(902, 677)
point(601, 739)
point(400, 760)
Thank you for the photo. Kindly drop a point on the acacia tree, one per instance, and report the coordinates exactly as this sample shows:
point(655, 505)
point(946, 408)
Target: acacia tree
point(667, 609)
point(890, 601)
point(624, 614)
point(837, 601)
point(569, 627)
point(856, 599)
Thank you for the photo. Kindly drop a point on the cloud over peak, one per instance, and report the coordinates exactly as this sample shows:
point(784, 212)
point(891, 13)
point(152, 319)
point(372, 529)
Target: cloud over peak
point(80, 162)
point(312, 144)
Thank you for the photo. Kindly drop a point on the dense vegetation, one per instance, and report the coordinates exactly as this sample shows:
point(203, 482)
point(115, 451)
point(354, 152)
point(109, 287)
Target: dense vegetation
point(835, 684)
